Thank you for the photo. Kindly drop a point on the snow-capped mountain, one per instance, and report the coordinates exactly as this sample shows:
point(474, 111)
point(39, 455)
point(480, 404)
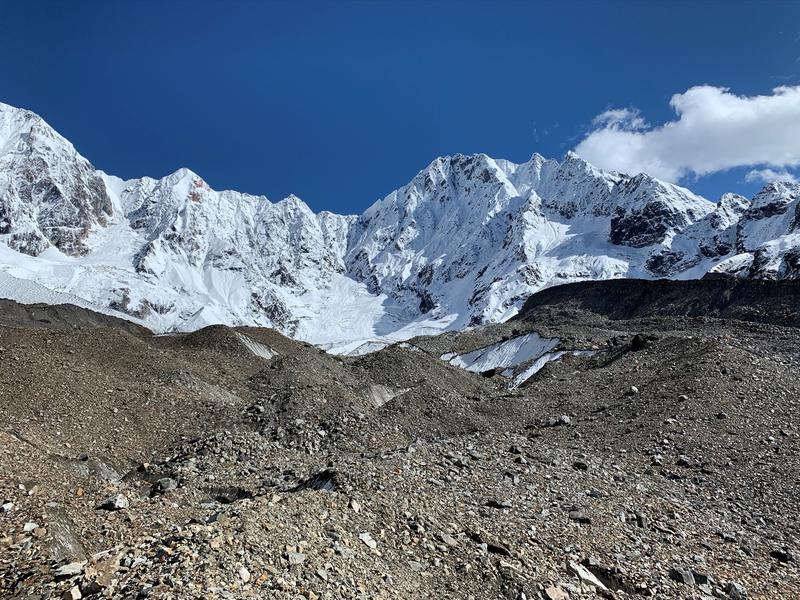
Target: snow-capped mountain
point(49, 194)
point(474, 236)
point(465, 242)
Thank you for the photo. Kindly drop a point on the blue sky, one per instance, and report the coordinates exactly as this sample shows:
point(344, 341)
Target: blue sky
point(342, 102)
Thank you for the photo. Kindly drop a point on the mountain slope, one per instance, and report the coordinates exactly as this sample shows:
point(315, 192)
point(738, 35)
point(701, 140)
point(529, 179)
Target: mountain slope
point(465, 242)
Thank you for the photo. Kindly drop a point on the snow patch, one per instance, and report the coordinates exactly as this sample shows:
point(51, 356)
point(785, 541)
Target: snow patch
point(510, 354)
point(255, 347)
point(381, 394)
point(503, 355)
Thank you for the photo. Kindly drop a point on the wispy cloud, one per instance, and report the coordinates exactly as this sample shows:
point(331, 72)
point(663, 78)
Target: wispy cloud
point(769, 175)
point(714, 130)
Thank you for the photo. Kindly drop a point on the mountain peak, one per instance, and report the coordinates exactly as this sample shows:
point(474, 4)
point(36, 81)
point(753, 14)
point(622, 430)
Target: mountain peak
point(537, 159)
point(49, 194)
point(295, 203)
point(8, 113)
point(781, 187)
point(184, 173)
point(18, 122)
point(455, 161)
point(575, 163)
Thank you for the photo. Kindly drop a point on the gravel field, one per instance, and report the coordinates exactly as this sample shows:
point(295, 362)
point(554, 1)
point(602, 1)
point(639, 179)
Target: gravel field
point(663, 465)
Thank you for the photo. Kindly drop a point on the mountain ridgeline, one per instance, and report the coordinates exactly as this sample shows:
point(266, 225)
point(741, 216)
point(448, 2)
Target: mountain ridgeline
point(467, 241)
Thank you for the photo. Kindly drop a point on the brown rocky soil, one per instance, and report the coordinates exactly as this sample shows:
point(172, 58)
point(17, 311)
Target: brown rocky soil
point(188, 466)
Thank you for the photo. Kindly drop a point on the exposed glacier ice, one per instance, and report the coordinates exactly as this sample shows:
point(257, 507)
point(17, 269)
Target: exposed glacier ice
point(505, 354)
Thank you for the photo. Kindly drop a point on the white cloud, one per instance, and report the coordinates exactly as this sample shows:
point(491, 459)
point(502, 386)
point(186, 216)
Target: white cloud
point(769, 175)
point(627, 119)
point(714, 130)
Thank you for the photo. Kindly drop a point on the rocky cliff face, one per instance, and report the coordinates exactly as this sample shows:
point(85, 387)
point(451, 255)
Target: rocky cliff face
point(49, 194)
point(465, 242)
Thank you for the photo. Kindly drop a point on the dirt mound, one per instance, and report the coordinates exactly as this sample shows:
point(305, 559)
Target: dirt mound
point(61, 316)
point(432, 398)
point(397, 392)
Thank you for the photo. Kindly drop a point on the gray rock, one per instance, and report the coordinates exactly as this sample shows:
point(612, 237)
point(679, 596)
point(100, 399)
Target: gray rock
point(367, 539)
point(489, 543)
point(585, 575)
point(115, 502)
point(69, 570)
point(736, 591)
point(65, 542)
point(448, 539)
point(555, 593)
point(682, 575)
point(74, 593)
point(703, 582)
point(579, 517)
point(164, 485)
